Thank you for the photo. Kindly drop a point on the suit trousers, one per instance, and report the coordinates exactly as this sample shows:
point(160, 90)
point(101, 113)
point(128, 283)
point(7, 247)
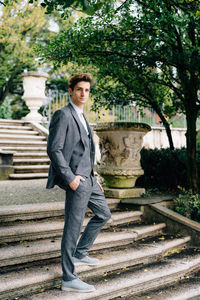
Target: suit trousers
point(88, 194)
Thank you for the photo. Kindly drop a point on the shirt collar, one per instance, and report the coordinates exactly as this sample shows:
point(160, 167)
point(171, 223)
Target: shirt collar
point(77, 109)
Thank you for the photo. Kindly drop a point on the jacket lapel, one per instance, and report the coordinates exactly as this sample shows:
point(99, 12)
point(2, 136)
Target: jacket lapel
point(76, 117)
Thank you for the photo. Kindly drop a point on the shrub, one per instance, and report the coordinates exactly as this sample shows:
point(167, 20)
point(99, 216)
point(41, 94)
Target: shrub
point(188, 205)
point(164, 169)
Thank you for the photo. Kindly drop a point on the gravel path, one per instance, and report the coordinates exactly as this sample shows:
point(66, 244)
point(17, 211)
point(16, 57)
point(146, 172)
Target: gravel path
point(28, 191)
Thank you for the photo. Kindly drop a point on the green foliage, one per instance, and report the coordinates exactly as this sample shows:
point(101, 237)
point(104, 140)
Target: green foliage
point(188, 204)
point(5, 110)
point(147, 51)
point(163, 169)
point(63, 6)
point(19, 108)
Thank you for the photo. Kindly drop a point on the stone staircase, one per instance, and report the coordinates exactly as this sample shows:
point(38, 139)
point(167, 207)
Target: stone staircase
point(135, 257)
point(30, 159)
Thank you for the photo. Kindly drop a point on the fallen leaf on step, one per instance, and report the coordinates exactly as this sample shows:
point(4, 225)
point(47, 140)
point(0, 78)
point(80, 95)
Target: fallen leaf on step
point(118, 273)
point(162, 238)
point(42, 290)
point(148, 297)
point(125, 249)
point(105, 274)
point(105, 279)
point(145, 270)
point(187, 277)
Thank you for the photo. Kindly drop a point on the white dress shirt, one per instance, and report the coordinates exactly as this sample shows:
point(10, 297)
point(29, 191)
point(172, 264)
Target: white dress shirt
point(80, 115)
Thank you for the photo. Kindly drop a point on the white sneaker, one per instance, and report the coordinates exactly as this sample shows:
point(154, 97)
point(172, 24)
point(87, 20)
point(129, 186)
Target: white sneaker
point(77, 285)
point(86, 260)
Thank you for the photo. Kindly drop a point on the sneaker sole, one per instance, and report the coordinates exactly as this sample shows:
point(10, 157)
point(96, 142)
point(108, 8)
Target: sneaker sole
point(68, 289)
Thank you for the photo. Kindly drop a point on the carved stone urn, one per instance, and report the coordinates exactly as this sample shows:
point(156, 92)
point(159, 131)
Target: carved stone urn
point(34, 93)
point(120, 145)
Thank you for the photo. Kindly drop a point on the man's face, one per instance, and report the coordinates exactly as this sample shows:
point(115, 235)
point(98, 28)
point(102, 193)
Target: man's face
point(80, 93)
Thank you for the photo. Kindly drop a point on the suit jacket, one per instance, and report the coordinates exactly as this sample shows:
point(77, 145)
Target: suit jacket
point(65, 132)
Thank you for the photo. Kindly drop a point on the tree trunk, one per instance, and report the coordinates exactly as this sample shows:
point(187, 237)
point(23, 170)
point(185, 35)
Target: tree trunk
point(165, 124)
point(191, 117)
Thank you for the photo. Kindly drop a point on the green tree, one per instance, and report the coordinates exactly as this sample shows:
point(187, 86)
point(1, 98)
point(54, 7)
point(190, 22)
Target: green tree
point(65, 7)
point(21, 26)
point(131, 41)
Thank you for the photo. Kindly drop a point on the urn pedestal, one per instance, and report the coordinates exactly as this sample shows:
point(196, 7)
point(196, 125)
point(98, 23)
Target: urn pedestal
point(120, 145)
point(34, 93)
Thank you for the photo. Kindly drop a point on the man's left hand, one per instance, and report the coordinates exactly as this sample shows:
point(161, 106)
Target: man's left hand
point(100, 186)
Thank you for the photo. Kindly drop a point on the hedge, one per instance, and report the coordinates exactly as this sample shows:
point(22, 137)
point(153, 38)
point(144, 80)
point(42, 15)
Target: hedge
point(164, 169)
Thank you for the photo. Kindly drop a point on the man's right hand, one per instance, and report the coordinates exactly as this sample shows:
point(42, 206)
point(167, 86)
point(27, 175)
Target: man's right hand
point(75, 183)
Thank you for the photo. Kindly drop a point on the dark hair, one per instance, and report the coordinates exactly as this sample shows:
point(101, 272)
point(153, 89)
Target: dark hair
point(80, 77)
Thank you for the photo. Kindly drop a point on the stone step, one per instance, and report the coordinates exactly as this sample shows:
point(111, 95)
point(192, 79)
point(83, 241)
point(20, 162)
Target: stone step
point(12, 122)
point(23, 212)
point(19, 149)
point(31, 169)
point(27, 138)
point(17, 143)
point(28, 176)
point(18, 132)
point(130, 283)
point(30, 155)
point(37, 230)
point(31, 161)
point(50, 248)
point(123, 283)
point(17, 127)
point(189, 288)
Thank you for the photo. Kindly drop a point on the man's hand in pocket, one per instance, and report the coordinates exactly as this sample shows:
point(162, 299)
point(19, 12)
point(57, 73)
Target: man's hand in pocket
point(75, 183)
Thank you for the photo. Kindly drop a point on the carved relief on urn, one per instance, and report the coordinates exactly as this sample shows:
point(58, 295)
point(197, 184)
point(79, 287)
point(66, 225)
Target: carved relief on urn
point(120, 145)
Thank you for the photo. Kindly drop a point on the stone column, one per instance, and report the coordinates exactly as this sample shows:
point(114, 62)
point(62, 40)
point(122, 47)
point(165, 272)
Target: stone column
point(120, 146)
point(34, 93)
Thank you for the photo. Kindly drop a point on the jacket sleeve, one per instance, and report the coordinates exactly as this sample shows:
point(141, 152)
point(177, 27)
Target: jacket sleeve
point(57, 134)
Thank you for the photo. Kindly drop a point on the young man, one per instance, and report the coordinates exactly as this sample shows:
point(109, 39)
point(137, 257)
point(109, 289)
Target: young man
point(71, 150)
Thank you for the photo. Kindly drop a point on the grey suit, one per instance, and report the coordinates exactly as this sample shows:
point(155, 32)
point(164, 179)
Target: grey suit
point(72, 153)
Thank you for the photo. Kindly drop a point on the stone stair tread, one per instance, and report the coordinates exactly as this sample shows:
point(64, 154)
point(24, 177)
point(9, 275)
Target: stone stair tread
point(187, 292)
point(22, 230)
point(27, 167)
point(28, 175)
point(16, 132)
point(6, 142)
point(36, 210)
point(129, 283)
point(30, 154)
point(18, 148)
point(17, 127)
point(20, 137)
point(5, 121)
point(21, 160)
point(139, 280)
point(37, 250)
point(187, 289)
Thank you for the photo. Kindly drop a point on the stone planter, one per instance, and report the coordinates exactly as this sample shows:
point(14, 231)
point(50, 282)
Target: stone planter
point(120, 145)
point(34, 93)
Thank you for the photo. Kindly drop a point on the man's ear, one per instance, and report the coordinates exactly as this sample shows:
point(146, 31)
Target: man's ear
point(70, 91)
